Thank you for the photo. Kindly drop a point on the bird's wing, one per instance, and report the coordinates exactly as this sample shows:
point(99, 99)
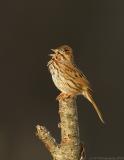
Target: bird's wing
point(76, 74)
point(81, 78)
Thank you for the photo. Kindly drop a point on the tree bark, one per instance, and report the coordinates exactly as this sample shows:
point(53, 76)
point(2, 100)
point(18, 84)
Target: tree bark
point(69, 147)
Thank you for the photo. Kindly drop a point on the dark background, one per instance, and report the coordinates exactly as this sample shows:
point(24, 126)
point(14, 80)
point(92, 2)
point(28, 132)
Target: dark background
point(28, 30)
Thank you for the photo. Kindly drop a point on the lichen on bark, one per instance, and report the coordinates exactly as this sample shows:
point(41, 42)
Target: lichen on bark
point(69, 147)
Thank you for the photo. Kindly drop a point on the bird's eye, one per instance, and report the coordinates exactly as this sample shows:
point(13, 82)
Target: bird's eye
point(66, 49)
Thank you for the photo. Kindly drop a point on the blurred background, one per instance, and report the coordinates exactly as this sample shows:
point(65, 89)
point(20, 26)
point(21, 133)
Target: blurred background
point(28, 30)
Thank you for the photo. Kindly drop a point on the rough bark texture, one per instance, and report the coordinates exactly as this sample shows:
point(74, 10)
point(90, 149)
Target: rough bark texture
point(69, 147)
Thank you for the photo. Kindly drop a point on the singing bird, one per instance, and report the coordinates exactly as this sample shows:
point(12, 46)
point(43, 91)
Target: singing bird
point(68, 78)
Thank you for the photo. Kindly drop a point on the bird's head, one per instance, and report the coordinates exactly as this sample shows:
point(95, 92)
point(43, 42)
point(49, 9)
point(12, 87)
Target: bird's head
point(63, 53)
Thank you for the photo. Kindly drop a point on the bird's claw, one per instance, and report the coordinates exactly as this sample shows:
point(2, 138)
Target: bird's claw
point(63, 96)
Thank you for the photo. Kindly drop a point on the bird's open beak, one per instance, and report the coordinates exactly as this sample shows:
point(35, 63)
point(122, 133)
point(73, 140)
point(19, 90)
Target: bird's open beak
point(51, 55)
point(54, 52)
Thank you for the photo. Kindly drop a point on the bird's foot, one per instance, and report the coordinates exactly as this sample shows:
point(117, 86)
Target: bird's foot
point(63, 96)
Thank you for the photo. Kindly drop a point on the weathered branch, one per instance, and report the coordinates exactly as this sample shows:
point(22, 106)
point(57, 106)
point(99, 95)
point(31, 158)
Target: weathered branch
point(70, 142)
point(69, 147)
point(46, 138)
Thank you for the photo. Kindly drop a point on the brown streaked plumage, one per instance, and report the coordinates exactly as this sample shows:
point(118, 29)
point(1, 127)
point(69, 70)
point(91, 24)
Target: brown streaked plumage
point(67, 77)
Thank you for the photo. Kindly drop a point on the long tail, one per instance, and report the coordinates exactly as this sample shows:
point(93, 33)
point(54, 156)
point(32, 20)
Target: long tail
point(86, 94)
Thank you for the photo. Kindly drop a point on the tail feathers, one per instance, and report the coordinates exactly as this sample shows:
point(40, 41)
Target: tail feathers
point(88, 96)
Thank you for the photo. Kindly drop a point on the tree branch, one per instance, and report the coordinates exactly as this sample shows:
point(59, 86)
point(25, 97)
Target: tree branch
point(70, 142)
point(70, 147)
point(46, 138)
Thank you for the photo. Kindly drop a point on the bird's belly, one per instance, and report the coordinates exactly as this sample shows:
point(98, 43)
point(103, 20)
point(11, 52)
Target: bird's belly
point(64, 85)
point(59, 83)
point(56, 77)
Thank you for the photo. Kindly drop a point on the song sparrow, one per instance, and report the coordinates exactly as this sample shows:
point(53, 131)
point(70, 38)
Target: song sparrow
point(67, 77)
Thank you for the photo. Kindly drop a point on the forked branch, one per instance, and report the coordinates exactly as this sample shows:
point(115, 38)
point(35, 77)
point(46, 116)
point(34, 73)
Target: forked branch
point(69, 147)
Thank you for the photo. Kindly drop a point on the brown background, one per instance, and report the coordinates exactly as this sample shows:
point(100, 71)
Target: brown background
point(28, 30)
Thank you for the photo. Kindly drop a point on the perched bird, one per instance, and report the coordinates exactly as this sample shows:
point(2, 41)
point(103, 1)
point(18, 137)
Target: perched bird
point(68, 78)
